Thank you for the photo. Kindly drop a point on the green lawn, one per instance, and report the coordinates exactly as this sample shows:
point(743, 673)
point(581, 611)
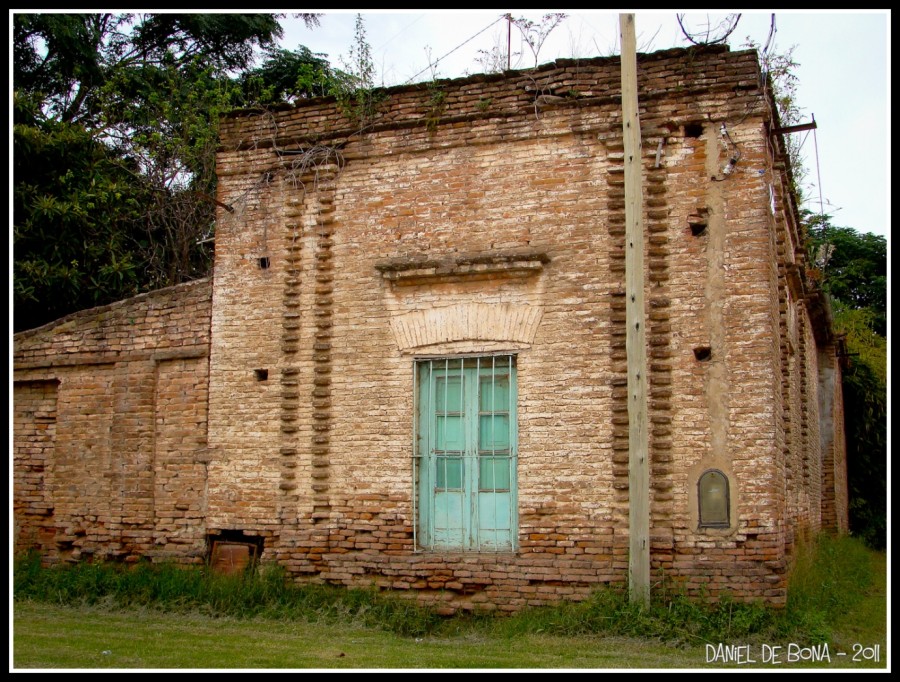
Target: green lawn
point(50, 636)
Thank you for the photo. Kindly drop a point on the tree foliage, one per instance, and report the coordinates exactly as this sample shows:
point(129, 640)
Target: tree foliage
point(115, 132)
point(853, 270)
point(69, 58)
point(288, 76)
point(865, 407)
point(853, 267)
point(74, 206)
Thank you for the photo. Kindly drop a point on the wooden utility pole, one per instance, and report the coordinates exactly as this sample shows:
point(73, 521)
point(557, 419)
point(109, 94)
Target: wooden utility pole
point(635, 343)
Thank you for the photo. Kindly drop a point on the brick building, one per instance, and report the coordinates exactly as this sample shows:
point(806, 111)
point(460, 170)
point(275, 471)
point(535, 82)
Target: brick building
point(409, 367)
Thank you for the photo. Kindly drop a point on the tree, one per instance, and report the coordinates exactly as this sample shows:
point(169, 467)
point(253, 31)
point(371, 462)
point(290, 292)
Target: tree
point(68, 58)
point(865, 407)
point(287, 76)
point(74, 208)
point(853, 266)
point(115, 131)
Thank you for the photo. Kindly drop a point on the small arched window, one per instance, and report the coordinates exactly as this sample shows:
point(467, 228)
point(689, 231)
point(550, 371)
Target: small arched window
point(713, 498)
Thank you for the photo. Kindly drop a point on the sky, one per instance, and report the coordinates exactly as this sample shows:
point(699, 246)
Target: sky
point(844, 76)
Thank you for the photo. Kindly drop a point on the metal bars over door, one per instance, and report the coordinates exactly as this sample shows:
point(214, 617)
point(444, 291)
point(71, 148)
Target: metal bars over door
point(466, 453)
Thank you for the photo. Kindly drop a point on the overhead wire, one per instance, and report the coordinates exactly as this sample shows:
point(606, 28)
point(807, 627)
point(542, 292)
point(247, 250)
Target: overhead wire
point(382, 49)
point(399, 33)
point(438, 60)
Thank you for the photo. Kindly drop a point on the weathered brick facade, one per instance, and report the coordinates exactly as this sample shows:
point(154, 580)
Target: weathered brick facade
point(466, 218)
point(110, 430)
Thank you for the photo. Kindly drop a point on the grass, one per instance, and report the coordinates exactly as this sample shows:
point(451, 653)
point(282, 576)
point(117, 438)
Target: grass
point(266, 594)
point(96, 616)
point(50, 636)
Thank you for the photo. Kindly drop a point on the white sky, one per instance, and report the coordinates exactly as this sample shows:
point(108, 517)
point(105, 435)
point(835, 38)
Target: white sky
point(844, 76)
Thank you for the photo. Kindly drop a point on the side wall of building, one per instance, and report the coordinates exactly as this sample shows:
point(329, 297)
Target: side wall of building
point(110, 430)
point(835, 512)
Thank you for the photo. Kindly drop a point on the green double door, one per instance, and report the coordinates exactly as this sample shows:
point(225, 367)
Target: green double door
point(466, 439)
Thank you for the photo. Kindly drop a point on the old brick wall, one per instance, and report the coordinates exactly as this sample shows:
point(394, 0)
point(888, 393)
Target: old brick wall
point(835, 460)
point(470, 217)
point(110, 429)
point(34, 425)
point(350, 254)
point(833, 442)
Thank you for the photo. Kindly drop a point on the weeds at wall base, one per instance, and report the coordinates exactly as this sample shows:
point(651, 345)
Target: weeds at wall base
point(829, 576)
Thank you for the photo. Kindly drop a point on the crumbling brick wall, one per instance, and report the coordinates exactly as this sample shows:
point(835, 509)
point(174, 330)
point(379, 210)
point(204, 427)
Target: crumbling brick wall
point(835, 501)
point(354, 245)
point(464, 219)
point(110, 430)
